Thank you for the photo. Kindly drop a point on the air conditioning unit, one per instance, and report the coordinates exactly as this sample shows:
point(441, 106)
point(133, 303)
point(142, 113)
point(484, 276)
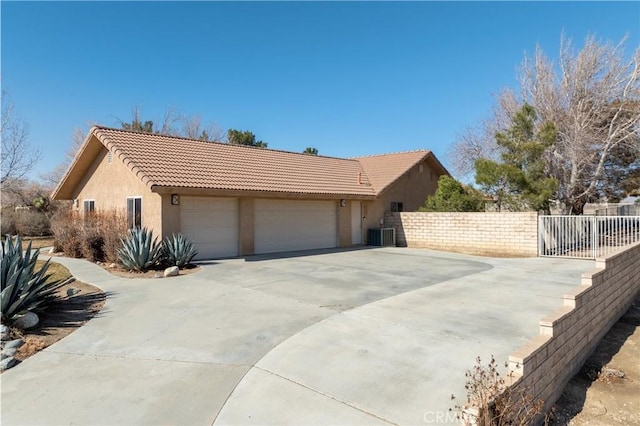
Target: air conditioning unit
point(381, 237)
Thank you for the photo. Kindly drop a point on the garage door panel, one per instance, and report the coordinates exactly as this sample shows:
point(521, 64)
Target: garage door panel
point(212, 225)
point(288, 225)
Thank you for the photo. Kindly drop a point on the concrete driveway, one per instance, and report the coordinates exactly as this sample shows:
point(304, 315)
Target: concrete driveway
point(344, 337)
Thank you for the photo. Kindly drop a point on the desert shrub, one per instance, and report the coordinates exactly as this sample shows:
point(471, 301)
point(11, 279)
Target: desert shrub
point(67, 230)
point(492, 402)
point(32, 223)
point(95, 236)
point(113, 227)
point(178, 250)
point(8, 222)
point(93, 248)
point(23, 288)
point(140, 251)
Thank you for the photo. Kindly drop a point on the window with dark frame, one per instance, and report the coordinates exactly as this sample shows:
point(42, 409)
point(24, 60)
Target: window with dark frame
point(89, 206)
point(134, 212)
point(396, 206)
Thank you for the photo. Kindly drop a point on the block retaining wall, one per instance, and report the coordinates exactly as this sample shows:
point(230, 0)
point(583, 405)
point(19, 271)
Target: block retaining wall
point(569, 335)
point(489, 234)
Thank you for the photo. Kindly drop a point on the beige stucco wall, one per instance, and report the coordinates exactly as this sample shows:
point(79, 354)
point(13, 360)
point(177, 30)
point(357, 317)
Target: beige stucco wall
point(412, 189)
point(170, 216)
point(109, 184)
point(485, 233)
point(246, 224)
point(567, 337)
point(246, 220)
point(344, 224)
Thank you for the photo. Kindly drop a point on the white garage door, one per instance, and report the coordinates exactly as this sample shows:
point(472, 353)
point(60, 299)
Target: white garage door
point(294, 225)
point(212, 225)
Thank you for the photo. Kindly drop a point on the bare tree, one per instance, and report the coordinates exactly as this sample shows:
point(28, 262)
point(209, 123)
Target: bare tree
point(594, 101)
point(18, 157)
point(193, 128)
point(167, 124)
point(592, 96)
point(479, 141)
point(77, 139)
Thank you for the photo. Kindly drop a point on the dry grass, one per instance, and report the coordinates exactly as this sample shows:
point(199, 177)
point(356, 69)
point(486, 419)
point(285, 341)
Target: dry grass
point(59, 272)
point(37, 242)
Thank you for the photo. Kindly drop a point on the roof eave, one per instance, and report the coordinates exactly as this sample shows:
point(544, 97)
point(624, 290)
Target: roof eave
point(190, 190)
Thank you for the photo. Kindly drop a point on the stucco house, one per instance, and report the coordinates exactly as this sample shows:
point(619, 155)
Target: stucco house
point(234, 200)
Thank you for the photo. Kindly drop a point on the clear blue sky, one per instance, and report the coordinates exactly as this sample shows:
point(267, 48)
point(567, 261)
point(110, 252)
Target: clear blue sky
point(350, 79)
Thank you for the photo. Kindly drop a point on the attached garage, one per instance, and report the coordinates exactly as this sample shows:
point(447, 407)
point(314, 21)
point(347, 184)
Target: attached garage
point(212, 225)
point(290, 225)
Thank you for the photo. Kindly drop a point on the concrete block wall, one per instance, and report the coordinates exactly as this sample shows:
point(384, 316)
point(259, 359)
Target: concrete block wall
point(489, 234)
point(569, 335)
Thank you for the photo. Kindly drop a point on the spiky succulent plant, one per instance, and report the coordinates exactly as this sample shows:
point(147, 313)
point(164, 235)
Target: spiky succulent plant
point(23, 288)
point(140, 251)
point(178, 250)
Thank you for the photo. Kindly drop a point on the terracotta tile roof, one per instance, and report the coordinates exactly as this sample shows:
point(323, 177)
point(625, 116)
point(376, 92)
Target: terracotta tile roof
point(168, 161)
point(382, 170)
point(178, 162)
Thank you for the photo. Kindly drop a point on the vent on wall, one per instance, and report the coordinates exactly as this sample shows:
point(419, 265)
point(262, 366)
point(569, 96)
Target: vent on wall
point(109, 157)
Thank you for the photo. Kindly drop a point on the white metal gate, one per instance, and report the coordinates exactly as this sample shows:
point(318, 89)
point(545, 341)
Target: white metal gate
point(586, 237)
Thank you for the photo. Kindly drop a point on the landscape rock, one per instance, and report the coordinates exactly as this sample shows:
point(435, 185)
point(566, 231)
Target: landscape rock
point(14, 344)
point(52, 250)
point(172, 271)
point(7, 363)
point(4, 332)
point(72, 291)
point(26, 321)
point(9, 352)
point(113, 265)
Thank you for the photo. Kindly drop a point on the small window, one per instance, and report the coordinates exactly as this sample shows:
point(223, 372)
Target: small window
point(109, 157)
point(89, 206)
point(396, 206)
point(134, 212)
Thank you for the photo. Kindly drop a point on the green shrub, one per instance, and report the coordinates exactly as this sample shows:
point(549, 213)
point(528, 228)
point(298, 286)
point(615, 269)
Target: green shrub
point(140, 251)
point(178, 250)
point(23, 289)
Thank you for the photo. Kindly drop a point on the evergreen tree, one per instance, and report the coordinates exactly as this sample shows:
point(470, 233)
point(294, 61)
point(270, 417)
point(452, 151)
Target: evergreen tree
point(452, 196)
point(520, 181)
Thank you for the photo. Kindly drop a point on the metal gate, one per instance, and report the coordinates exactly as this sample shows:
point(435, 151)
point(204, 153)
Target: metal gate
point(586, 237)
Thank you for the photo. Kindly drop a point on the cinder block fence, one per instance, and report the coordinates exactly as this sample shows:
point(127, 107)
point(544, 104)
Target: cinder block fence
point(568, 336)
point(488, 234)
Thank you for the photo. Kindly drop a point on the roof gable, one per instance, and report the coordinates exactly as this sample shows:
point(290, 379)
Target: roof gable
point(383, 170)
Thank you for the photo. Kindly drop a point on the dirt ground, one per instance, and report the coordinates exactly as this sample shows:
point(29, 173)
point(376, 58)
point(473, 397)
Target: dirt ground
point(62, 318)
point(606, 391)
point(121, 272)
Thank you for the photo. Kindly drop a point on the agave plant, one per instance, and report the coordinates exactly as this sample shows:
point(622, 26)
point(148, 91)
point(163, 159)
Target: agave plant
point(178, 250)
point(140, 251)
point(23, 289)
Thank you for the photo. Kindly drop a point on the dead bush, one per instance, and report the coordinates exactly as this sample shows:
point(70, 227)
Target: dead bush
point(492, 402)
point(113, 226)
point(67, 230)
point(8, 222)
point(95, 236)
point(32, 223)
